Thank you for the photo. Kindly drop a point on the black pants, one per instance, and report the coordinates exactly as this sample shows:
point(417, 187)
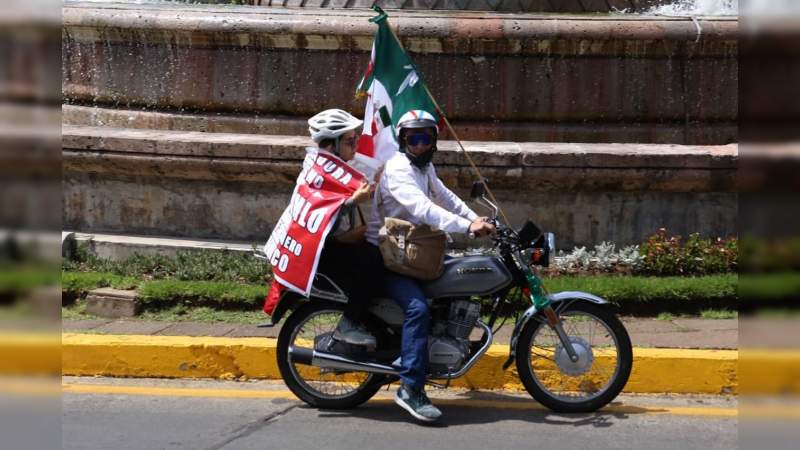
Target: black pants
point(357, 269)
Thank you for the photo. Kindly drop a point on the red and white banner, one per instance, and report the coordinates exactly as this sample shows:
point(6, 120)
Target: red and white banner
point(297, 239)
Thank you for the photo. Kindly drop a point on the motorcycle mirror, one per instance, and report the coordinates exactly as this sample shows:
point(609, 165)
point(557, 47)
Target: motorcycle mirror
point(528, 233)
point(477, 190)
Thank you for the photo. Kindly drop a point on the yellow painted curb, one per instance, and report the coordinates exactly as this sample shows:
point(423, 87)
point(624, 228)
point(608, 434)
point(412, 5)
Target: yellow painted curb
point(769, 371)
point(168, 356)
point(654, 370)
point(24, 353)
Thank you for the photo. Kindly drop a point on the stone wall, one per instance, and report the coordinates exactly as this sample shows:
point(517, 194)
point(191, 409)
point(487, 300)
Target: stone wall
point(503, 77)
point(517, 6)
point(234, 186)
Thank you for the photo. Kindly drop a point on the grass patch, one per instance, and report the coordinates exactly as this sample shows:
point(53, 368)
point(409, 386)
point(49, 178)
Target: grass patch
point(189, 265)
point(665, 316)
point(654, 295)
point(17, 281)
point(719, 314)
point(163, 294)
point(75, 285)
point(76, 311)
point(774, 313)
point(205, 314)
point(778, 291)
point(768, 286)
point(179, 313)
point(220, 295)
point(645, 296)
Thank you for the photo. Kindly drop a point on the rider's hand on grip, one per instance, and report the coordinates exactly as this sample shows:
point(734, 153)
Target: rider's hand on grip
point(479, 227)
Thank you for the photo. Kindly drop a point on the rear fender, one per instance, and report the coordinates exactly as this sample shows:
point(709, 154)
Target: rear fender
point(289, 301)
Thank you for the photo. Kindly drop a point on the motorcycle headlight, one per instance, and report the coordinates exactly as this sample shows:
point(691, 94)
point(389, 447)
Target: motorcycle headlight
point(543, 251)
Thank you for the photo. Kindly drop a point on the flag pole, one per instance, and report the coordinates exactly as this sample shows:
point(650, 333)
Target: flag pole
point(455, 135)
point(469, 158)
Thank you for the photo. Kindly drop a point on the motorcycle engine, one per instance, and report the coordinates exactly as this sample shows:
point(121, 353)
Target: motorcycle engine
point(448, 346)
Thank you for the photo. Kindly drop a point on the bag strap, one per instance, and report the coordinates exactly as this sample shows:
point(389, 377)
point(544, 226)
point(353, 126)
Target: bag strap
point(361, 215)
point(379, 198)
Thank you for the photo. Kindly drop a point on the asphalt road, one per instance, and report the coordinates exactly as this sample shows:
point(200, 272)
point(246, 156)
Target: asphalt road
point(102, 413)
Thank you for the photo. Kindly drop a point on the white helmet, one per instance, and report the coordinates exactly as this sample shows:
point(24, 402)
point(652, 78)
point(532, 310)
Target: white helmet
point(331, 123)
point(417, 118)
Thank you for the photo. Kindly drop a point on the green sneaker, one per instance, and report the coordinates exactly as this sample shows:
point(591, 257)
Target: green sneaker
point(353, 333)
point(417, 404)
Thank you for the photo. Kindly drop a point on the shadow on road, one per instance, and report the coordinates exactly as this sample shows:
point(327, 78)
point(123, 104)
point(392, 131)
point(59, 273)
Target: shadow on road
point(483, 407)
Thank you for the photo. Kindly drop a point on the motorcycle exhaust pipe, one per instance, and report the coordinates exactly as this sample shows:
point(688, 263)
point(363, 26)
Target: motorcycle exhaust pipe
point(312, 357)
point(301, 355)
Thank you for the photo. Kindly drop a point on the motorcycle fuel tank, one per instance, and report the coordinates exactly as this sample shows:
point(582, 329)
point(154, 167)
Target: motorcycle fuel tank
point(468, 275)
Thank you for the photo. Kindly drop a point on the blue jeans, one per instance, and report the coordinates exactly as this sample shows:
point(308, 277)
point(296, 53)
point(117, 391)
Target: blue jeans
point(416, 326)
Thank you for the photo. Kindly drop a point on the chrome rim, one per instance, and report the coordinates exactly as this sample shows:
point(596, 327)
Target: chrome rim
point(599, 361)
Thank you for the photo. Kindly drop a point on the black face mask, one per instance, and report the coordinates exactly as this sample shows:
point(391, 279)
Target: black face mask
point(422, 160)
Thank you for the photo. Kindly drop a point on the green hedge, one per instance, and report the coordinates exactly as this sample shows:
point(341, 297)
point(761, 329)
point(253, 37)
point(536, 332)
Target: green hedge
point(647, 289)
point(18, 281)
point(190, 265)
point(633, 295)
point(648, 295)
point(222, 295)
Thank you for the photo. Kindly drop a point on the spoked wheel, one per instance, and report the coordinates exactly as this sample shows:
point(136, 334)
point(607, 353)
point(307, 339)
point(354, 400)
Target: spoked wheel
point(319, 387)
point(604, 360)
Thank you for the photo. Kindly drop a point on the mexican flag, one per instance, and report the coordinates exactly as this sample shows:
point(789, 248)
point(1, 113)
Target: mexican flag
point(393, 86)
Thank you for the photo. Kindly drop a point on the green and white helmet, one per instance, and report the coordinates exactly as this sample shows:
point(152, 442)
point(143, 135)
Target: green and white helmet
point(417, 118)
point(332, 123)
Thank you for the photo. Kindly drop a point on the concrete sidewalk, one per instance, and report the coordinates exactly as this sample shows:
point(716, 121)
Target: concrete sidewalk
point(687, 333)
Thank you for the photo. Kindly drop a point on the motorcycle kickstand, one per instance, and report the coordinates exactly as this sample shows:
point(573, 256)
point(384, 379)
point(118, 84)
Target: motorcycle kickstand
point(440, 385)
point(436, 385)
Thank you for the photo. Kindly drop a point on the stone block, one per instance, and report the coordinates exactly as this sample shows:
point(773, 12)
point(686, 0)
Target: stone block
point(108, 302)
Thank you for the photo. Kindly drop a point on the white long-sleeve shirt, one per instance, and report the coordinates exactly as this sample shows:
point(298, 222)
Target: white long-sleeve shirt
point(418, 196)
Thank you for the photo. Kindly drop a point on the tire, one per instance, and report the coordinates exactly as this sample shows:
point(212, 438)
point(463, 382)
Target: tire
point(580, 392)
point(299, 378)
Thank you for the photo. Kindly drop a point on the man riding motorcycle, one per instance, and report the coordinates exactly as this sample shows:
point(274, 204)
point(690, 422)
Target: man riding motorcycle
point(424, 330)
point(410, 190)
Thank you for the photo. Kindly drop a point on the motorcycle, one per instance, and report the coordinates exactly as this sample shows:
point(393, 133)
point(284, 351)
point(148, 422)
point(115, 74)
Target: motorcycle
point(572, 353)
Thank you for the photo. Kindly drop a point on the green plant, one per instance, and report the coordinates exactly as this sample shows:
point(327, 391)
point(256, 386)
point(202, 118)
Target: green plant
point(75, 285)
point(665, 255)
point(220, 295)
point(774, 255)
point(230, 266)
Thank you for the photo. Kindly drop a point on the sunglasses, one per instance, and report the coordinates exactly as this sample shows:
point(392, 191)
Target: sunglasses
point(419, 139)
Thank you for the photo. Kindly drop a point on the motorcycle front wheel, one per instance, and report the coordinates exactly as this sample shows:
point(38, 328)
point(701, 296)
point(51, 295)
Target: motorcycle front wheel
point(316, 386)
point(605, 359)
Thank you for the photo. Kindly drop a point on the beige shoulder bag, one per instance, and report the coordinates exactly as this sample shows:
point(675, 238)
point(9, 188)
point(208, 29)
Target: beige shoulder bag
point(416, 251)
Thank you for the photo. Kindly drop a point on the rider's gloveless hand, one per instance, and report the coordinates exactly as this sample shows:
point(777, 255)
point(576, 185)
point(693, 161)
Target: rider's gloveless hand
point(481, 228)
point(362, 194)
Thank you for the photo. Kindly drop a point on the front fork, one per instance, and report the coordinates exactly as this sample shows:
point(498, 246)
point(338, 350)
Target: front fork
point(536, 293)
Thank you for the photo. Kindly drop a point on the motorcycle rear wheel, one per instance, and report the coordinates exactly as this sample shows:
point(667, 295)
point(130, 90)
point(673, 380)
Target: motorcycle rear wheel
point(327, 390)
point(603, 368)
